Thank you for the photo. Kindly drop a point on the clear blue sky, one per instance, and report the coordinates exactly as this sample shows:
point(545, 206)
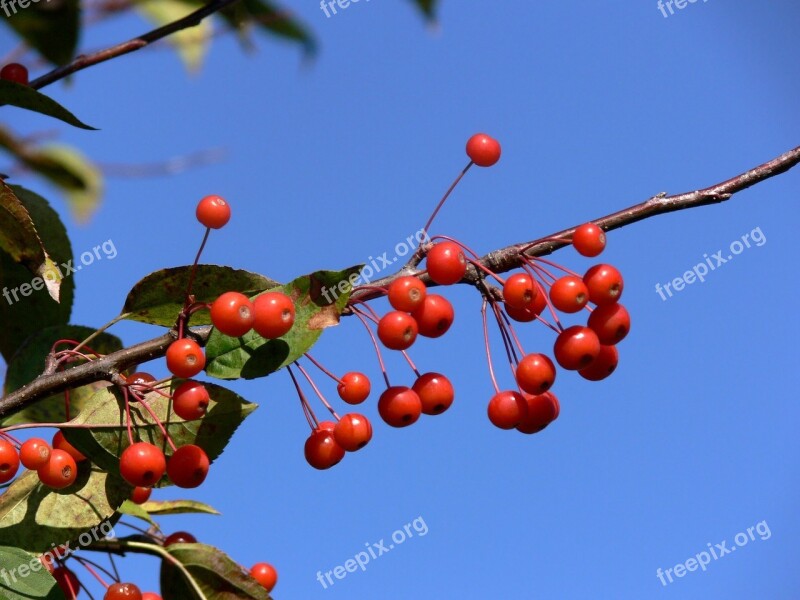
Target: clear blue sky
point(598, 105)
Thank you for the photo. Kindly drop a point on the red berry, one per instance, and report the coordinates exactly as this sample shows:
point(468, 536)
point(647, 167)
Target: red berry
point(434, 317)
point(435, 392)
point(520, 291)
point(185, 358)
point(180, 537)
point(322, 451)
point(190, 400)
point(569, 294)
point(535, 373)
point(34, 453)
point(213, 212)
point(233, 314)
point(62, 444)
point(589, 239)
point(602, 366)
point(397, 330)
point(446, 263)
point(399, 406)
point(354, 388)
point(142, 464)
point(67, 582)
point(274, 312)
point(151, 596)
point(611, 323)
point(141, 382)
point(60, 471)
point(265, 574)
point(483, 150)
point(188, 466)
point(604, 283)
point(140, 495)
point(507, 409)
point(123, 591)
point(353, 432)
point(529, 313)
point(9, 461)
point(542, 410)
point(15, 72)
point(407, 293)
point(326, 426)
point(576, 347)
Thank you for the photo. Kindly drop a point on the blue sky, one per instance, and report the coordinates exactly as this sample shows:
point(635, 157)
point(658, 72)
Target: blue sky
point(598, 105)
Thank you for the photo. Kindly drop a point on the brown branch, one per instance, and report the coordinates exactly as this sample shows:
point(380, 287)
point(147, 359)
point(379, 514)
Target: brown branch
point(498, 261)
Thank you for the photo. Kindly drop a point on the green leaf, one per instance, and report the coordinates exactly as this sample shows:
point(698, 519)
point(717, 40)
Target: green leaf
point(178, 507)
point(52, 28)
point(23, 96)
point(192, 43)
point(272, 19)
point(52, 169)
point(36, 518)
point(26, 578)
point(318, 304)
point(158, 298)
point(84, 189)
point(135, 510)
point(217, 575)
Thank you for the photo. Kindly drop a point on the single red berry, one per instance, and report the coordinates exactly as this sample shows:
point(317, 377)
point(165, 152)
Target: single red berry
point(188, 466)
point(140, 495)
point(321, 450)
point(353, 432)
point(397, 330)
point(576, 347)
point(15, 72)
point(569, 294)
point(213, 212)
point(34, 453)
point(611, 323)
point(483, 150)
point(542, 410)
point(435, 392)
point(274, 312)
point(233, 314)
point(536, 373)
point(47, 561)
point(60, 471)
point(60, 442)
point(354, 387)
point(67, 582)
point(141, 382)
point(604, 283)
point(506, 410)
point(407, 293)
point(528, 313)
point(123, 591)
point(589, 239)
point(265, 574)
point(185, 358)
point(180, 537)
point(446, 263)
point(9, 461)
point(190, 400)
point(142, 464)
point(151, 596)
point(520, 291)
point(602, 366)
point(399, 406)
point(326, 426)
point(434, 317)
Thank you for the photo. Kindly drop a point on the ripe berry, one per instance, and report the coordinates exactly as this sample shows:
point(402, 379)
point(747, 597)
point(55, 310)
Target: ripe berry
point(589, 239)
point(141, 382)
point(542, 410)
point(190, 400)
point(397, 330)
point(435, 392)
point(611, 323)
point(34, 453)
point(355, 387)
point(60, 442)
point(140, 495)
point(602, 366)
point(233, 314)
point(353, 432)
point(15, 72)
point(180, 537)
point(446, 263)
point(60, 471)
point(188, 466)
point(322, 451)
point(520, 291)
point(604, 283)
point(274, 312)
point(434, 317)
point(576, 347)
point(569, 294)
point(67, 582)
point(142, 464)
point(483, 150)
point(535, 373)
point(326, 426)
point(407, 293)
point(507, 409)
point(123, 591)
point(213, 212)
point(399, 406)
point(528, 313)
point(9, 461)
point(185, 358)
point(265, 574)
point(151, 596)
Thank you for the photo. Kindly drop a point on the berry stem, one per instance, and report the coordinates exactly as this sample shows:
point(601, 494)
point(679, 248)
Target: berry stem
point(411, 363)
point(316, 389)
point(163, 429)
point(323, 369)
point(360, 316)
point(89, 566)
point(310, 416)
point(444, 198)
point(488, 349)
